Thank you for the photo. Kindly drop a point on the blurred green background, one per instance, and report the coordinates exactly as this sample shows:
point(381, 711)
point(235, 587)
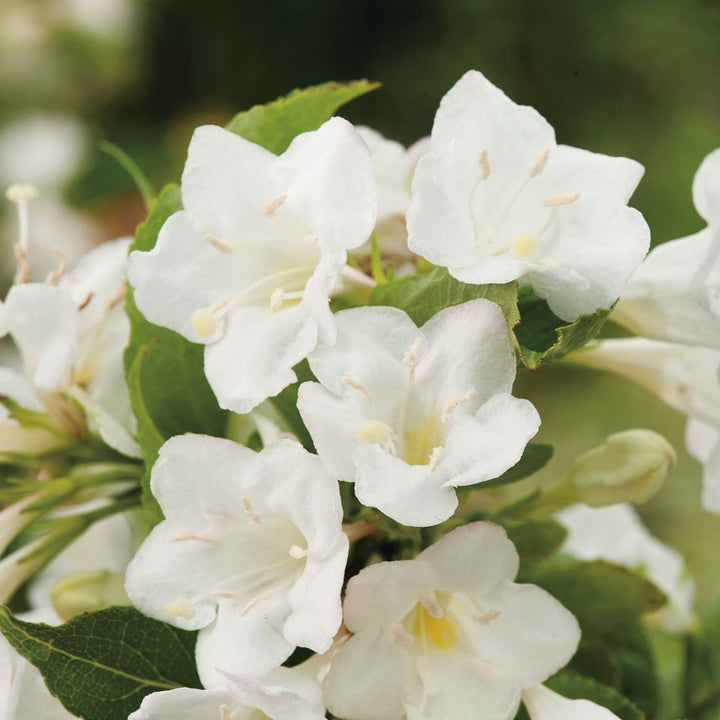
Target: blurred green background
point(639, 78)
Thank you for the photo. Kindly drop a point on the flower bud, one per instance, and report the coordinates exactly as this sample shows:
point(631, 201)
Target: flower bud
point(88, 591)
point(629, 466)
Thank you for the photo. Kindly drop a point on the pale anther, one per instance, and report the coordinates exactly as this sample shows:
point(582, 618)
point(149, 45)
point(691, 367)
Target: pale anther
point(487, 617)
point(86, 301)
point(276, 299)
point(435, 457)
point(55, 275)
point(410, 360)
point(431, 605)
point(273, 205)
point(217, 244)
point(21, 192)
point(455, 403)
point(356, 385)
point(558, 200)
point(23, 265)
point(484, 163)
point(403, 638)
point(549, 262)
point(118, 297)
point(375, 431)
point(192, 536)
point(540, 163)
point(180, 608)
point(224, 712)
point(524, 246)
point(250, 514)
point(297, 553)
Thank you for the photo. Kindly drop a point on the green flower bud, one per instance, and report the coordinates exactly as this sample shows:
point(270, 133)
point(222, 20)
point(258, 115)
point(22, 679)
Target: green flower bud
point(87, 592)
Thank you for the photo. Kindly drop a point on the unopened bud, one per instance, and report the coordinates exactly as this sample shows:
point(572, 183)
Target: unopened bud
point(630, 466)
point(88, 591)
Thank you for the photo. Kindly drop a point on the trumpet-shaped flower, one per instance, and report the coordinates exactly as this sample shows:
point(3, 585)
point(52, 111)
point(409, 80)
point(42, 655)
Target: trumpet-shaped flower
point(247, 267)
point(446, 634)
point(251, 552)
point(282, 694)
point(675, 294)
point(496, 199)
point(71, 336)
point(410, 414)
point(615, 533)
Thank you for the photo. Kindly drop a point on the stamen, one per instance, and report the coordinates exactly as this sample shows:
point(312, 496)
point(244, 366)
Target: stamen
point(221, 594)
point(204, 322)
point(558, 200)
point(310, 239)
point(86, 301)
point(276, 299)
point(21, 194)
point(450, 408)
point(488, 617)
point(524, 246)
point(427, 676)
point(484, 163)
point(180, 608)
point(55, 275)
point(431, 605)
point(403, 638)
point(410, 360)
point(435, 457)
point(549, 262)
point(118, 297)
point(540, 163)
point(356, 385)
point(225, 712)
point(258, 598)
point(250, 514)
point(489, 237)
point(191, 536)
point(377, 432)
point(273, 205)
point(484, 669)
point(297, 553)
point(217, 244)
point(23, 265)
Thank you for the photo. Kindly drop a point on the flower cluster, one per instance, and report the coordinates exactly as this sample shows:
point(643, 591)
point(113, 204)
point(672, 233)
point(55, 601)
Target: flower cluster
point(293, 436)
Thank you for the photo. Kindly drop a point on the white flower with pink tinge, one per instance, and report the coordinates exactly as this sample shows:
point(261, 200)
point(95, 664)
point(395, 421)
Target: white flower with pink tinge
point(497, 199)
point(251, 552)
point(410, 414)
point(248, 266)
point(447, 633)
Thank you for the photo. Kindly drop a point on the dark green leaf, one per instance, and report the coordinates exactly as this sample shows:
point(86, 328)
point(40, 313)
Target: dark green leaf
point(535, 540)
point(702, 674)
point(101, 665)
point(286, 404)
point(422, 296)
point(534, 457)
point(275, 124)
point(541, 335)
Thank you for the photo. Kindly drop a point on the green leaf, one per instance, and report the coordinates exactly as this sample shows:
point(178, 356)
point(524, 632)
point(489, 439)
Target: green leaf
point(422, 296)
point(601, 595)
point(286, 404)
point(534, 457)
point(168, 389)
point(275, 124)
point(702, 673)
point(574, 686)
point(101, 665)
point(542, 336)
point(535, 540)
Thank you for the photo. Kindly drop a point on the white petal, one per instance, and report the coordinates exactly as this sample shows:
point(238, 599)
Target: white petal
point(367, 677)
point(706, 187)
point(184, 704)
point(462, 567)
point(328, 178)
point(254, 358)
point(43, 320)
point(544, 704)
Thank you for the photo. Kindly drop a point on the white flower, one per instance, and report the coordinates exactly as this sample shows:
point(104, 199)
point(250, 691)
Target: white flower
point(251, 552)
point(615, 533)
point(71, 337)
point(497, 199)
point(394, 167)
point(544, 704)
point(23, 693)
point(248, 266)
point(282, 694)
point(409, 414)
point(446, 634)
point(702, 440)
point(675, 294)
